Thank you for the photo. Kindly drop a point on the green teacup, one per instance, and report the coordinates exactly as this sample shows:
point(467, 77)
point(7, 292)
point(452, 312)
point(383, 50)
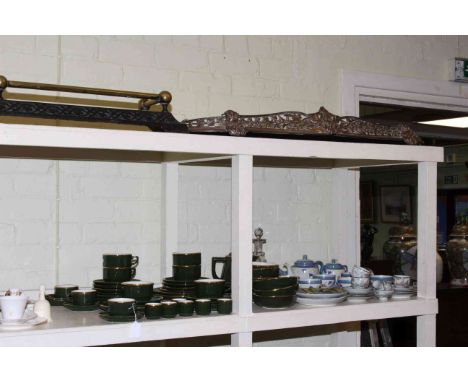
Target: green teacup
point(186, 272)
point(203, 306)
point(224, 305)
point(153, 310)
point(139, 290)
point(186, 258)
point(120, 261)
point(169, 309)
point(82, 297)
point(185, 307)
point(64, 290)
point(210, 288)
point(121, 306)
point(118, 273)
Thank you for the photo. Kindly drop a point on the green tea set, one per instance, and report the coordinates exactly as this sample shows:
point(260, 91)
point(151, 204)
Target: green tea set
point(122, 298)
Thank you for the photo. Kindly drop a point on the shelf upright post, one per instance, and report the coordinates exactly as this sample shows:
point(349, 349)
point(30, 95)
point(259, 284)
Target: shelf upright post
point(169, 214)
point(427, 236)
point(345, 217)
point(241, 280)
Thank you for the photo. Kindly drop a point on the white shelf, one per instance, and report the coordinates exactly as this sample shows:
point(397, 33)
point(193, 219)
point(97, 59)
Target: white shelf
point(71, 328)
point(78, 328)
point(169, 146)
point(300, 315)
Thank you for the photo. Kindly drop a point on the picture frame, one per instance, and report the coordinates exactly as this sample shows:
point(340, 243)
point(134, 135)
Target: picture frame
point(366, 197)
point(395, 200)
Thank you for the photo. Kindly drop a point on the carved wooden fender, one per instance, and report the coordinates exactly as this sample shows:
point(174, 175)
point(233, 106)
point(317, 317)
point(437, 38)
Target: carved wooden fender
point(322, 123)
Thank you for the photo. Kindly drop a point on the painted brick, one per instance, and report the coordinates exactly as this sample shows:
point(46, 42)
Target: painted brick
point(18, 66)
point(181, 58)
point(7, 234)
point(275, 69)
point(158, 40)
point(91, 73)
point(149, 79)
point(79, 47)
point(213, 83)
point(118, 233)
point(212, 43)
point(136, 210)
point(252, 86)
point(260, 46)
point(231, 64)
point(193, 41)
point(24, 44)
point(35, 233)
point(243, 105)
point(111, 187)
point(236, 45)
point(47, 45)
point(208, 210)
point(94, 210)
point(70, 233)
point(126, 52)
point(21, 209)
point(35, 185)
point(282, 47)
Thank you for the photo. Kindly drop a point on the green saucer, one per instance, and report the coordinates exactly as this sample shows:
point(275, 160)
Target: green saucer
point(130, 318)
point(78, 308)
point(55, 301)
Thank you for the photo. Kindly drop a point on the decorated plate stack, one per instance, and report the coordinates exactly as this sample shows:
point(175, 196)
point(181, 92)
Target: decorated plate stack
point(270, 290)
point(321, 296)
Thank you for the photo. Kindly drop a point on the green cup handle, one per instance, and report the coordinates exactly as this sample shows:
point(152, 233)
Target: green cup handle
point(214, 261)
point(133, 273)
point(135, 261)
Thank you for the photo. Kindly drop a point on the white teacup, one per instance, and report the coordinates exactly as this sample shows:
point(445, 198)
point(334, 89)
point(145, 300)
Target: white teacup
point(360, 272)
point(13, 307)
point(402, 281)
point(360, 282)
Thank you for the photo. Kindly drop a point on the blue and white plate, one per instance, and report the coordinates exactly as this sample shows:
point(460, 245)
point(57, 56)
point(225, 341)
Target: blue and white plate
point(320, 301)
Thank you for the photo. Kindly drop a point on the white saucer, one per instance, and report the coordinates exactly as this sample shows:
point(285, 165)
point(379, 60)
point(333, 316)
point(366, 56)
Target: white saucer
point(402, 296)
point(25, 325)
point(359, 291)
point(360, 298)
point(316, 296)
point(27, 316)
point(321, 301)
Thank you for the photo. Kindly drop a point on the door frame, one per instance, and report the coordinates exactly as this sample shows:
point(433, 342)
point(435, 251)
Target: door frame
point(404, 91)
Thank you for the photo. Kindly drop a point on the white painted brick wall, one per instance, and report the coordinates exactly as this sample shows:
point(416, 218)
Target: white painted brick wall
point(116, 206)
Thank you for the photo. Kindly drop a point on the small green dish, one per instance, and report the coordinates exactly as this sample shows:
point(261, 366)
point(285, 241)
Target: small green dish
point(81, 308)
point(55, 301)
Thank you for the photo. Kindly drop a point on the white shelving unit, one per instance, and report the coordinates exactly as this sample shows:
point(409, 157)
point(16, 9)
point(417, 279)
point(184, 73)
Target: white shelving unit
point(172, 150)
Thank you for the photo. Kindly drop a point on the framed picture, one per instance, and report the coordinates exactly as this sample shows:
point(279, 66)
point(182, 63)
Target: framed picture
point(366, 196)
point(395, 201)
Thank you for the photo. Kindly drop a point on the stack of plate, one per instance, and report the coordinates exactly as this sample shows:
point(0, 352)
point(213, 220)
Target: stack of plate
point(107, 289)
point(359, 294)
point(404, 293)
point(172, 288)
point(321, 296)
point(274, 292)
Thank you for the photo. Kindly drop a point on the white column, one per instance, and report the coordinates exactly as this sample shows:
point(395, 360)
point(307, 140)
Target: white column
point(427, 239)
point(169, 215)
point(345, 218)
point(241, 339)
point(241, 281)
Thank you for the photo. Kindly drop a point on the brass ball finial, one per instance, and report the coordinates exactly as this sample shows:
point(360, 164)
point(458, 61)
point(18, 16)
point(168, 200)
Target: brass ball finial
point(166, 97)
point(3, 82)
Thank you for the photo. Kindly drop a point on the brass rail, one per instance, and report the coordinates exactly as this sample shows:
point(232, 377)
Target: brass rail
point(146, 99)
